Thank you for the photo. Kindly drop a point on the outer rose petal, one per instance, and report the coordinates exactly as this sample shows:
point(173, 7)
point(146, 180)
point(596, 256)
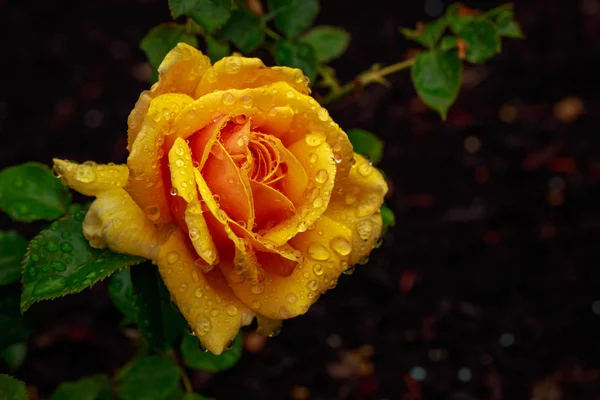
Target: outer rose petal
point(89, 178)
point(115, 221)
point(179, 72)
point(183, 180)
point(355, 203)
point(286, 297)
point(205, 300)
point(242, 73)
point(146, 181)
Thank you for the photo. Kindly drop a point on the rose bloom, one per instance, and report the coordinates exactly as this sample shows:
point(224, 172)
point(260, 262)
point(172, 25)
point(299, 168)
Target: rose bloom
point(240, 187)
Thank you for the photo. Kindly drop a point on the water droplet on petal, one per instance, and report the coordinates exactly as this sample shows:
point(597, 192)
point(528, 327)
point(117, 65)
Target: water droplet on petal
point(172, 257)
point(291, 298)
point(321, 176)
point(258, 289)
point(232, 310)
point(312, 285)
point(322, 114)
point(341, 246)
point(228, 99)
point(198, 293)
point(364, 228)
point(318, 269)
point(318, 252)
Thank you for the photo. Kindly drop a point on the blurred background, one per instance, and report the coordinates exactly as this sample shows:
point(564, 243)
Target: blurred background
point(488, 287)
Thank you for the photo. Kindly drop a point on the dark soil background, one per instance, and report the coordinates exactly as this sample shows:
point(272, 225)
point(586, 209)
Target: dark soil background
point(489, 286)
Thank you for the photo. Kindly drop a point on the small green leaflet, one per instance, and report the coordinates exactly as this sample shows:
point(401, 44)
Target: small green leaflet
point(293, 17)
point(244, 29)
point(196, 358)
point(12, 389)
point(209, 14)
point(329, 42)
point(436, 76)
point(150, 378)
point(388, 219)
point(297, 55)
point(163, 38)
point(95, 387)
point(367, 144)
point(60, 261)
point(481, 38)
point(12, 251)
point(29, 192)
point(427, 34)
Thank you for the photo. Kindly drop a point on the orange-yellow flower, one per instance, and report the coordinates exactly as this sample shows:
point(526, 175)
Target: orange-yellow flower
point(240, 187)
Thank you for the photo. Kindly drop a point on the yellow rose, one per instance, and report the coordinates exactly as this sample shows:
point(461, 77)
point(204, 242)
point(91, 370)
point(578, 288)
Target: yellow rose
point(240, 187)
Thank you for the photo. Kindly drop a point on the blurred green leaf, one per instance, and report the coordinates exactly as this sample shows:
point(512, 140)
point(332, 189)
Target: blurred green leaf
point(293, 17)
point(297, 55)
point(12, 389)
point(209, 14)
point(244, 29)
point(448, 43)
point(481, 38)
point(195, 357)
point(217, 50)
point(158, 318)
point(95, 387)
point(163, 38)
point(367, 144)
point(506, 24)
point(436, 76)
point(388, 219)
point(12, 251)
point(29, 192)
point(120, 291)
point(329, 42)
point(14, 355)
point(60, 261)
point(427, 34)
point(15, 327)
point(195, 396)
point(150, 378)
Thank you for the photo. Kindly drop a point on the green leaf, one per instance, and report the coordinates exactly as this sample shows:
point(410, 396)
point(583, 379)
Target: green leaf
point(60, 261)
point(195, 396)
point(163, 38)
point(448, 43)
point(158, 318)
point(293, 17)
point(150, 378)
point(29, 192)
point(216, 50)
point(507, 26)
point(195, 357)
point(481, 38)
point(120, 291)
point(244, 30)
point(209, 14)
point(388, 219)
point(14, 355)
point(329, 42)
point(297, 55)
point(367, 144)
point(12, 251)
point(436, 76)
point(95, 387)
point(15, 327)
point(12, 389)
point(427, 34)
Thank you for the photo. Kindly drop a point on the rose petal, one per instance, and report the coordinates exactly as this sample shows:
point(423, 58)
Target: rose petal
point(184, 181)
point(241, 73)
point(91, 178)
point(281, 297)
point(270, 206)
point(115, 221)
point(181, 71)
point(356, 202)
point(279, 121)
point(136, 117)
point(205, 300)
point(146, 180)
point(202, 142)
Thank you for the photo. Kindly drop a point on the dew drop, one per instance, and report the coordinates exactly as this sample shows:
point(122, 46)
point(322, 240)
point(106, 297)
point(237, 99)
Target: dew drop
point(312, 157)
point(232, 310)
point(58, 266)
point(291, 298)
point(214, 312)
point(364, 229)
point(173, 191)
point(198, 293)
point(228, 99)
point(86, 173)
point(322, 114)
point(194, 234)
point(255, 304)
point(258, 289)
point(233, 65)
point(341, 246)
point(318, 252)
point(321, 176)
point(365, 169)
point(312, 285)
point(51, 246)
point(318, 269)
point(153, 213)
point(66, 247)
point(172, 257)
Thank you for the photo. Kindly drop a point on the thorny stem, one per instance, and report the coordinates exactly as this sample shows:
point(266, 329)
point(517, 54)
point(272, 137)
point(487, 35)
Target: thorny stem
point(365, 78)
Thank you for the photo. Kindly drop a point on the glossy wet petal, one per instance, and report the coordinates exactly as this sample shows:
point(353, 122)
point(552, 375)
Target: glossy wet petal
point(205, 300)
point(281, 297)
point(90, 178)
point(115, 221)
point(356, 203)
point(241, 73)
point(181, 71)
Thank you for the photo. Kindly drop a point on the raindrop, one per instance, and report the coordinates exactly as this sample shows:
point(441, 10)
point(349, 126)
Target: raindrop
point(321, 176)
point(172, 257)
point(341, 246)
point(318, 252)
point(322, 114)
point(291, 298)
point(228, 99)
point(66, 247)
point(58, 266)
point(318, 269)
point(51, 246)
point(312, 285)
point(364, 229)
point(198, 293)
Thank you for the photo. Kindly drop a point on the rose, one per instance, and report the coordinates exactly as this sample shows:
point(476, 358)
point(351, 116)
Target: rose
point(240, 187)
